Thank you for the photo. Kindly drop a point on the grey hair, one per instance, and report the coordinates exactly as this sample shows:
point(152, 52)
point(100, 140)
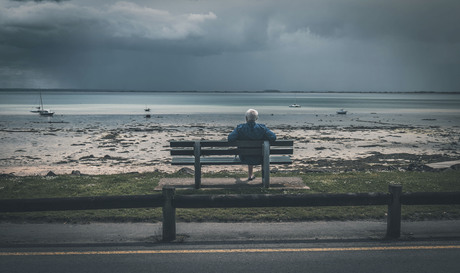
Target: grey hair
point(252, 115)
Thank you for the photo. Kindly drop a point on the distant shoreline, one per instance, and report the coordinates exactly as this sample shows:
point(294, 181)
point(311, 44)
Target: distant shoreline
point(222, 91)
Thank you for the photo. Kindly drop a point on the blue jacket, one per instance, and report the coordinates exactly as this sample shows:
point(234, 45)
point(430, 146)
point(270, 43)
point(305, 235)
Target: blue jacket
point(251, 131)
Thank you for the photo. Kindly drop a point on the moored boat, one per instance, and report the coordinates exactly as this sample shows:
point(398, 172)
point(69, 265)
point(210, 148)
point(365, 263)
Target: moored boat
point(295, 105)
point(40, 110)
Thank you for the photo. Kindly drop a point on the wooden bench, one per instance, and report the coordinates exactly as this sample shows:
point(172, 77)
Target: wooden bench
point(205, 152)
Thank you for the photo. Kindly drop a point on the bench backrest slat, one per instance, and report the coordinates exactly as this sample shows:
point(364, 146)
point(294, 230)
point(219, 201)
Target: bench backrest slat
point(222, 148)
point(232, 151)
point(224, 143)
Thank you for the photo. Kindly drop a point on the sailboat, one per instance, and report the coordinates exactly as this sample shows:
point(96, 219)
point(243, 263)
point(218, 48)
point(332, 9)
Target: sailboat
point(46, 112)
point(295, 105)
point(40, 110)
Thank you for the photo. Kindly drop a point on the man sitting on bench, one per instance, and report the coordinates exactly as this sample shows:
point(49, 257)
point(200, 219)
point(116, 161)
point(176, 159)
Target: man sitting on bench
point(251, 131)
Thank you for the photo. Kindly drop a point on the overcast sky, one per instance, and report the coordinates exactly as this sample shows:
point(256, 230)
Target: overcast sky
point(334, 45)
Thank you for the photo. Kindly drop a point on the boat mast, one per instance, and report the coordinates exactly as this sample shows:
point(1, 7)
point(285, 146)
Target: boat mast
point(41, 101)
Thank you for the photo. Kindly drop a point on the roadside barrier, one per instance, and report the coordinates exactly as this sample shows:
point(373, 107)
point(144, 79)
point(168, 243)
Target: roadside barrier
point(169, 201)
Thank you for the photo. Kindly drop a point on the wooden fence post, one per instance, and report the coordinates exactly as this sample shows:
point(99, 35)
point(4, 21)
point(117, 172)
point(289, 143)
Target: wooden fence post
point(169, 215)
point(197, 154)
point(394, 212)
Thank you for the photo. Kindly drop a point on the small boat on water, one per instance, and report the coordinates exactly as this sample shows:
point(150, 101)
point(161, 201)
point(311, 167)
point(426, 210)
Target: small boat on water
point(295, 105)
point(46, 113)
point(146, 109)
point(40, 110)
point(342, 112)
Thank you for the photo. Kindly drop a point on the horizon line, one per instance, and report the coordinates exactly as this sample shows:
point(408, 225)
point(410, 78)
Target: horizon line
point(217, 91)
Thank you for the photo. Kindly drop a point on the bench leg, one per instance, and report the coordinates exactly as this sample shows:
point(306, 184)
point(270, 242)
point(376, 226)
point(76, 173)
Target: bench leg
point(266, 165)
point(265, 176)
point(197, 176)
point(197, 153)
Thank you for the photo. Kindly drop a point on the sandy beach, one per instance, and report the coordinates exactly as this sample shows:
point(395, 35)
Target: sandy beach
point(321, 144)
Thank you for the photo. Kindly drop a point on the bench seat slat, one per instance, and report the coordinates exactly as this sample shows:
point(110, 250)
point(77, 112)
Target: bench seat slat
point(225, 160)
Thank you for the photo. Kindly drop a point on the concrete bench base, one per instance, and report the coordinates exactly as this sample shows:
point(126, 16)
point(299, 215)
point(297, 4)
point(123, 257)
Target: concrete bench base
point(235, 182)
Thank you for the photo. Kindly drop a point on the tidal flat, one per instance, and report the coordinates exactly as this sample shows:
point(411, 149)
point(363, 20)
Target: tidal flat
point(125, 144)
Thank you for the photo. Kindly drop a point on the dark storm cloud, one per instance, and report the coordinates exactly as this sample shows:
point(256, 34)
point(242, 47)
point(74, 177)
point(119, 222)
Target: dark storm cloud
point(39, 0)
point(410, 19)
point(209, 45)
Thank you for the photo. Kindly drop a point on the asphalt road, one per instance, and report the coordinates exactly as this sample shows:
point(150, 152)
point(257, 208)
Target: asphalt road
point(433, 256)
point(428, 246)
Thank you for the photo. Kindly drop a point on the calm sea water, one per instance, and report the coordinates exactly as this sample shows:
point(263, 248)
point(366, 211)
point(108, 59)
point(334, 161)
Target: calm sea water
point(72, 105)
point(80, 103)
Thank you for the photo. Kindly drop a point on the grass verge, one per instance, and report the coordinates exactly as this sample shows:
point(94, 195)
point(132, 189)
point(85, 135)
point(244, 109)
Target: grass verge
point(134, 184)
